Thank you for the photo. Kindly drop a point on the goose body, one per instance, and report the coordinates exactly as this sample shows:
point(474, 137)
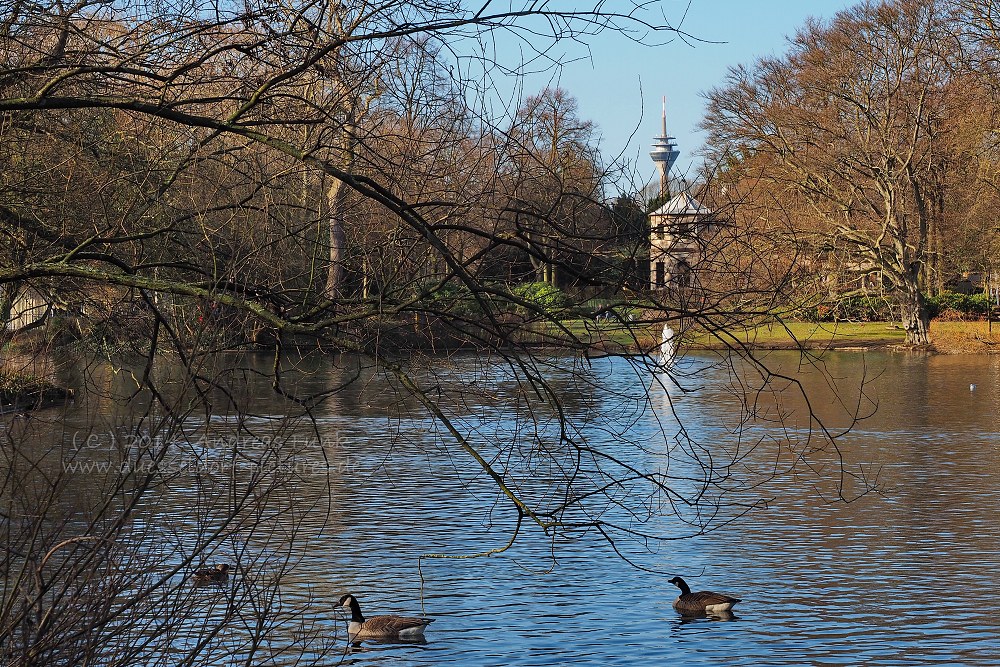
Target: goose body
point(702, 602)
point(211, 575)
point(381, 627)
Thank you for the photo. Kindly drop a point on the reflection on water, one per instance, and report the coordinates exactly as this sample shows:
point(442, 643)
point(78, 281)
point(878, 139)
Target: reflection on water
point(892, 578)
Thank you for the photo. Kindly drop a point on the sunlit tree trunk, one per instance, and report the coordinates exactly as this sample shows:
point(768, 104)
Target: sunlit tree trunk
point(335, 197)
point(916, 319)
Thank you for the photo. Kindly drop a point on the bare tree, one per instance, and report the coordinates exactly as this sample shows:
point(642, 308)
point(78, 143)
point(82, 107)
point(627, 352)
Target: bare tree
point(853, 122)
point(212, 177)
point(977, 28)
point(557, 176)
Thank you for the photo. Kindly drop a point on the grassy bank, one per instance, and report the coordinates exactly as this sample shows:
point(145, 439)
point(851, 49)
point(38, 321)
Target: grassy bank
point(833, 335)
point(965, 337)
point(947, 337)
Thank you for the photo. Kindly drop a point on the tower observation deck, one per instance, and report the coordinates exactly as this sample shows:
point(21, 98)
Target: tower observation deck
point(664, 154)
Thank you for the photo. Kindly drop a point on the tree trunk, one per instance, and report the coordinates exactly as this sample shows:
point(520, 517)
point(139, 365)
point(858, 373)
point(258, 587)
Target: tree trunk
point(8, 295)
point(338, 241)
point(916, 319)
point(336, 199)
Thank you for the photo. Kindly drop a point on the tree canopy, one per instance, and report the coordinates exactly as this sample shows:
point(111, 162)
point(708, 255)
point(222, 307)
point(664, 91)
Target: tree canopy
point(862, 136)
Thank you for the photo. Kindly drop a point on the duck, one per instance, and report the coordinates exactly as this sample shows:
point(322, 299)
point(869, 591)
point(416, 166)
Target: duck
point(381, 627)
point(702, 602)
point(211, 575)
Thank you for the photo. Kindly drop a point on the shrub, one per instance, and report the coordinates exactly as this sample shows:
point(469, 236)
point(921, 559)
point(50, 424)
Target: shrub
point(452, 297)
point(543, 296)
point(864, 309)
point(858, 308)
point(948, 304)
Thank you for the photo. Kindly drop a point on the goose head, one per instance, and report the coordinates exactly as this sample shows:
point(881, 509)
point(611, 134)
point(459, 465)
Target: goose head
point(681, 584)
point(350, 604)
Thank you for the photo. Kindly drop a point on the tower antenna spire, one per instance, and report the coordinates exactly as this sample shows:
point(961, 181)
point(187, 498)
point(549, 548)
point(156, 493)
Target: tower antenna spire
point(664, 115)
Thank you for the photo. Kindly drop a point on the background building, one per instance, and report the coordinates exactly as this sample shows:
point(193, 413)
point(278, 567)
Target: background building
point(675, 240)
point(676, 227)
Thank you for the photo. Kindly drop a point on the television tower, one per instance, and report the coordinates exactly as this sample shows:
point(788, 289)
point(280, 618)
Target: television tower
point(664, 153)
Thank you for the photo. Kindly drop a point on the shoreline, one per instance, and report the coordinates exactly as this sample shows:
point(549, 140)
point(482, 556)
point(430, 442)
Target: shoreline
point(947, 337)
point(951, 337)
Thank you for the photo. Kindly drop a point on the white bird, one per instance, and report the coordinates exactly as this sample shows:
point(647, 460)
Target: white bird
point(381, 627)
point(668, 346)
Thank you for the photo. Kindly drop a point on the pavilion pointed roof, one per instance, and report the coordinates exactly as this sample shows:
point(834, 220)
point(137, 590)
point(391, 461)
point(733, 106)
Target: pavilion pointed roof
point(683, 204)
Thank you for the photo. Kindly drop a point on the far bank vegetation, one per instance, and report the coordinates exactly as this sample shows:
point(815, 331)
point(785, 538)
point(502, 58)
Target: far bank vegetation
point(341, 191)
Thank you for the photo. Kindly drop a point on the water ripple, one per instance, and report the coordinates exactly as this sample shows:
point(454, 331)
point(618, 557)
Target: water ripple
point(903, 578)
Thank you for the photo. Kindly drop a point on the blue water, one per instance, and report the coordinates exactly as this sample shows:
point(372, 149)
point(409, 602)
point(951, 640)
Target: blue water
point(903, 574)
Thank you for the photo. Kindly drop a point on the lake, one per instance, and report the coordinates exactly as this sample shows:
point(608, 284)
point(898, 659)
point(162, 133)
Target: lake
point(878, 548)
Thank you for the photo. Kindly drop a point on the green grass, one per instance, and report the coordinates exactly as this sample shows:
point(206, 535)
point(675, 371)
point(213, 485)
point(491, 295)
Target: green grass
point(610, 334)
point(823, 334)
point(843, 334)
point(947, 337)
point(975, 337)
point(607, 334)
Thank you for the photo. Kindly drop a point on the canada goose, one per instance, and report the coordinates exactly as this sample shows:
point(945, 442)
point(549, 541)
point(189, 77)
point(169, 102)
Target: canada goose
point(381, 627)
point(211, 575)
point(702, 602)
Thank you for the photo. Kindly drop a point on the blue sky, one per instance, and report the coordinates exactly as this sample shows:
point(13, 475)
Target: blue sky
point(620, 85)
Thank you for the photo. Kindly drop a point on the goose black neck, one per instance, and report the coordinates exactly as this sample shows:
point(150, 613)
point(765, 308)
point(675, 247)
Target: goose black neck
point(681, 584)
point(356, 614)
